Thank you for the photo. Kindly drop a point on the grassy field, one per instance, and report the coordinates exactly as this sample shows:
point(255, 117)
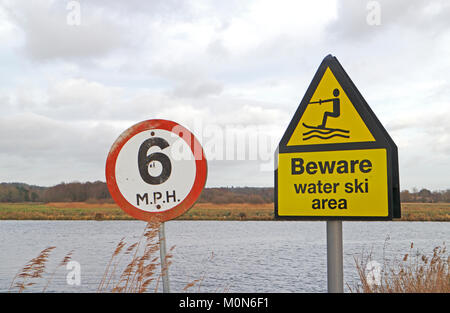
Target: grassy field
point(426, 211)
point(201, 211)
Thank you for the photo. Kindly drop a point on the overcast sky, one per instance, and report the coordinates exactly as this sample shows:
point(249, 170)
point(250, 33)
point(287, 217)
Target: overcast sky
point(70, 84)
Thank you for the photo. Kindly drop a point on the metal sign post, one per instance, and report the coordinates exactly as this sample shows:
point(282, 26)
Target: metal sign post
point(335, 266)
point(164, 265)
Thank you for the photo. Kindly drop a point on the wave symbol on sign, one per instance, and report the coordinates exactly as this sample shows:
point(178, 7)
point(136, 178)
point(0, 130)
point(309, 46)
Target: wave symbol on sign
point(328, 132)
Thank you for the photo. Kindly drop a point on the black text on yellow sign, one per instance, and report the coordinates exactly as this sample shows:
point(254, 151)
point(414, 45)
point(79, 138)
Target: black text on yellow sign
point(333, 183)
point(335, 159)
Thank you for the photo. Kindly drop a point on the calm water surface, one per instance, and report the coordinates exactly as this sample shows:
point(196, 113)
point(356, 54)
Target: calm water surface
point(232, 256)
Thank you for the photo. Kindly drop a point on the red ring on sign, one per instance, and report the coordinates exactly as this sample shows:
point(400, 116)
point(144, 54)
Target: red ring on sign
point(199, 181)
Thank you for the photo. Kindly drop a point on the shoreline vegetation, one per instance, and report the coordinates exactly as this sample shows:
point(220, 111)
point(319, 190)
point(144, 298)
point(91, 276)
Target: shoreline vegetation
point(415, 272)
point(200, 211)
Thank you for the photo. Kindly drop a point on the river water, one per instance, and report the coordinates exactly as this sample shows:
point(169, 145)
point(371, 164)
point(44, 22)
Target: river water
point(229, 256)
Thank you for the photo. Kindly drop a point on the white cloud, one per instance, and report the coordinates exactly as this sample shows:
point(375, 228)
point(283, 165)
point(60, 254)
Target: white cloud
point(47, 34)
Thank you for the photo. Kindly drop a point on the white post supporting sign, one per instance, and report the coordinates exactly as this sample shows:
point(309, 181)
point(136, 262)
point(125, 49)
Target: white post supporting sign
point(335, 162)
point(155, 171)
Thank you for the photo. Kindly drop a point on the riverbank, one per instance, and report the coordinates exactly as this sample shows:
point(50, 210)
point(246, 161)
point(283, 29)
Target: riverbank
point(200, 211)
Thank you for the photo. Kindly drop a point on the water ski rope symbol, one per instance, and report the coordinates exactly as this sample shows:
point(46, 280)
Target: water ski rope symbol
point(321, 131)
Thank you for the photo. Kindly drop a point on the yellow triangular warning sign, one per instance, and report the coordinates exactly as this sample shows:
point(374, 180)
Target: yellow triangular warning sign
point(332, 132)
point(329, 117)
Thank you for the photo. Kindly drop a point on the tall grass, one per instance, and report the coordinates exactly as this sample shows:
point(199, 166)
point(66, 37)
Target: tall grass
point(416, 272)
point(132, 268)
point(141, 264)
point(33, 270)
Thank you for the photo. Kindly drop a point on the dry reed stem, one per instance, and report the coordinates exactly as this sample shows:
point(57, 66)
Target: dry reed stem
point(139, 272)
point(137, 276)
point(116, 252)
point(415, 273)
point(34, 269)
point(63, 262)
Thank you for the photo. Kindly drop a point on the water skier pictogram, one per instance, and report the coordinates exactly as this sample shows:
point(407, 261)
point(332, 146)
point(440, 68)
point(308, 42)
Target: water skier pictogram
point(321, 130)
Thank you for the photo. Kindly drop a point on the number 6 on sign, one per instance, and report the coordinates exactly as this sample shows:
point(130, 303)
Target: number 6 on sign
point(146, 175)
point(144, 161)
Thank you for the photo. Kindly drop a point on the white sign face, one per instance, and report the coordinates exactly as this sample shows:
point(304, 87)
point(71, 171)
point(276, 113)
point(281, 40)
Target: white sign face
point(155, 170)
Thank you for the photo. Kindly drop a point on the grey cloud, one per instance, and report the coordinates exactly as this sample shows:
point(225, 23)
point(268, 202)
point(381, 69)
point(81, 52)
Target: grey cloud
point(180, 71)
point(5, 104)
point(175, 10)
point(231, 173)
point(46, 137)
point(48, 35)
point(418, 15)
point(431, 121)
point(423, 159)
point(79, 100)
point(189, 78)
point(71, 99)
point(197, 89)
point(217, 49)
point(39, 150)
point(149, 8)
point(106, 26)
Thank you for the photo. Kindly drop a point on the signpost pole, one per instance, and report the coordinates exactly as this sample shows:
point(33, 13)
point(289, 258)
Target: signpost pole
point(335, 257)
point(164, 266)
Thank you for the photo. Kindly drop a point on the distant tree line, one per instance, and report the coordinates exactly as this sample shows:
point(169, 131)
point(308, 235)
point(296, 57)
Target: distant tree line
point(17, 192)
point(425, 195)
point(237, 195)
point(98, 192)
point(70, 192)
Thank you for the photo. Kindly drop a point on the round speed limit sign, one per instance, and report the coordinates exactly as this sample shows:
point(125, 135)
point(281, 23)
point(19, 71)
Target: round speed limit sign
point(156, 169)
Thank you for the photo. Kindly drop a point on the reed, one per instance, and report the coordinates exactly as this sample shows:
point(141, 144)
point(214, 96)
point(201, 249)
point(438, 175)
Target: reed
point(63, 262)
point(140, 269)
point(416, 272)
point(32, 271)
point(141, 264)
point(132, 268)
